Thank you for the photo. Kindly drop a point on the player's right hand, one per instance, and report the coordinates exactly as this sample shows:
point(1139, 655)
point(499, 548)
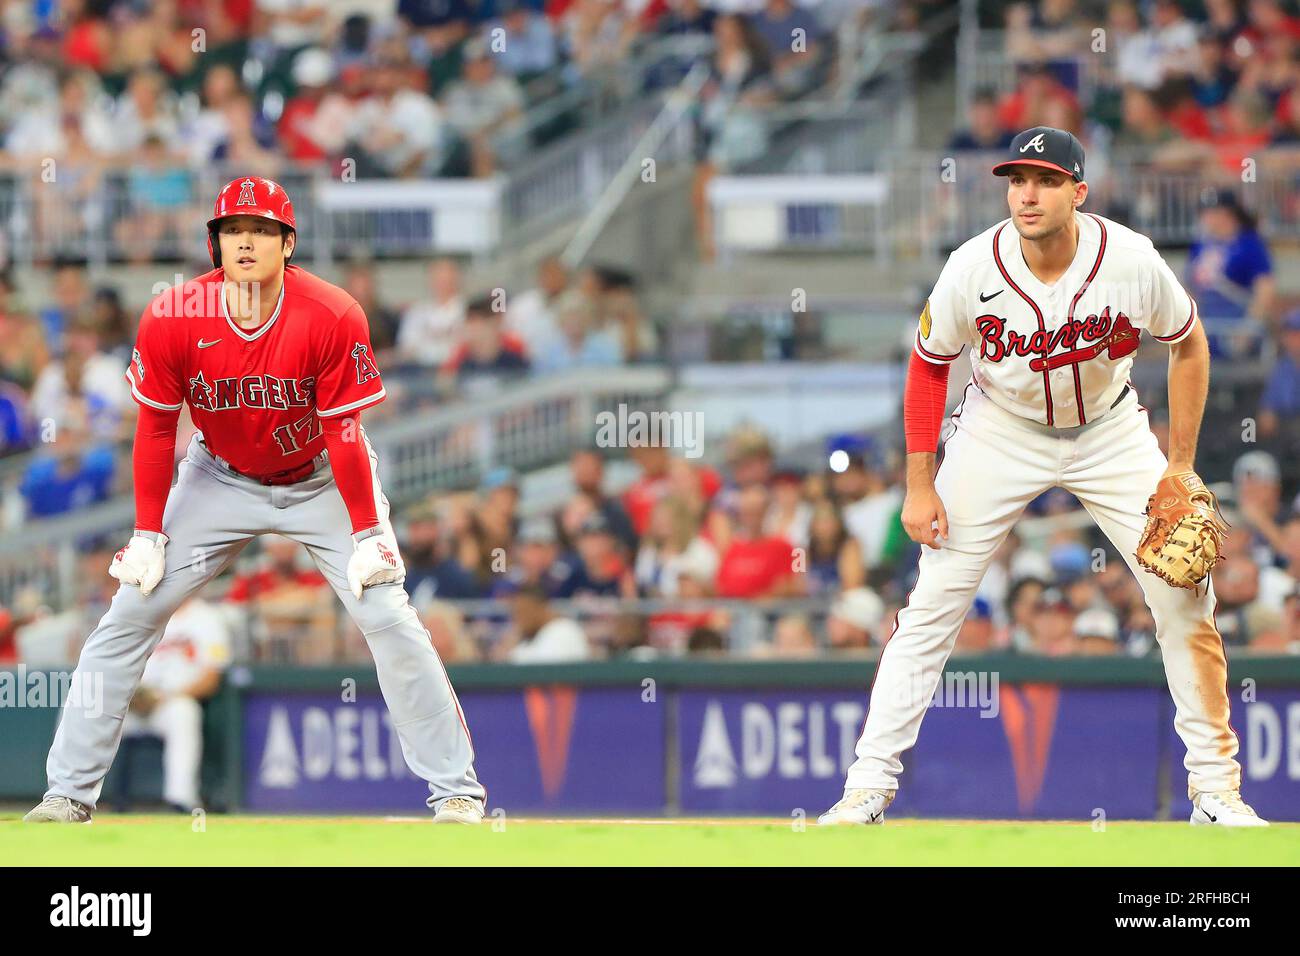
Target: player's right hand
point(141, 562)
point(922, 512)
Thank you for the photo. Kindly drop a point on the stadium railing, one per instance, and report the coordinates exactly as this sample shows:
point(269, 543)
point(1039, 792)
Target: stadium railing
point(528, 425)
point(924, 203)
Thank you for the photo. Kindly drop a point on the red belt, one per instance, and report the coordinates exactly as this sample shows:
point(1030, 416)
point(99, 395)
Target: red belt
point(287, 477)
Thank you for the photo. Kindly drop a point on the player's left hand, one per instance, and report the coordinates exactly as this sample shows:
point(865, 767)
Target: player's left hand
point(375, 561)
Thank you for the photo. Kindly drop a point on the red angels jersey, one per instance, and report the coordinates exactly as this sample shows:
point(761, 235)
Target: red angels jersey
point(257, 395)
point(1060, 354)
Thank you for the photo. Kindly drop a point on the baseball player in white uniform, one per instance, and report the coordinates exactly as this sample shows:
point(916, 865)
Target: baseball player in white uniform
point(1052, 303)
point(184, 670)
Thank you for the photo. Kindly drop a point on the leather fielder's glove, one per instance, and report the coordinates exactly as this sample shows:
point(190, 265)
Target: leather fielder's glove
point(375, 561)
point(1184, 535)
point(141, 562)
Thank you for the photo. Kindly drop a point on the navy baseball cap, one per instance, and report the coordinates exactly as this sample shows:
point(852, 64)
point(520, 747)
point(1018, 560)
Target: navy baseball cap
point(1048, 147)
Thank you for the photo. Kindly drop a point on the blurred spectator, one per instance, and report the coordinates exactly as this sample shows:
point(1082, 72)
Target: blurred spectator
point(116, 327)
point(976, 635)
point(485, 350)
point(985, 132)
point(620, 313)
point(1280, 403)
point(16, 429)
point(430, 327)
point(855, 620)
point(1026, 105)
point(732, 130)
point(291, 24)
point(1168, 46)
point(448, 634)
point(531, 315)
point(792, 38)
point(1211, 78)
point(602, 570)
point(396, 131)
point(1236, 586)
point(834, 556)
point(292, 608)
point(184, 670)
point(314, 124)
point(158, 188)
point(792, 639)
point(1257, 488)
point(580, 343)
point(537, 562)
point(790, 517)
point(755, 564)
point(1096, 632)
point(69, 204)
point(244, 146)
point(870, 506)
point(1022, 601)
point(84, 380)
point(541, 635)
point(1051, 627)
point(587, 471)
point(209, 127)
point(1278, 582)
point(144, 113)
point(359, 281)
point(35, 133)
point(521, 41)
point(656, 481)
point(1230, 273)
point(486, 110)
point(69, 473)
point(23, 352)
point(673, 541)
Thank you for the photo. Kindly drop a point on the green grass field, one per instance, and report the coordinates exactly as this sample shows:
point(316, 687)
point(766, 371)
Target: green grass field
point(362, 841)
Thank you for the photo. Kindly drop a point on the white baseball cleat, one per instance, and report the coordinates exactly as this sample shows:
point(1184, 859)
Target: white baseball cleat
point(459, 810)
point(1224, 809)
point(858, 807)
point(58, 810)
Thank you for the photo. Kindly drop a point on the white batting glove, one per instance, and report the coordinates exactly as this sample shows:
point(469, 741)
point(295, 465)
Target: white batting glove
point(141, 562)
point(375, 561)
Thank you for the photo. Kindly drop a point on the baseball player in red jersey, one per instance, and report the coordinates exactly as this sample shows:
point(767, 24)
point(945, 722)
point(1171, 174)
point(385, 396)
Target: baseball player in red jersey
point(276, 367)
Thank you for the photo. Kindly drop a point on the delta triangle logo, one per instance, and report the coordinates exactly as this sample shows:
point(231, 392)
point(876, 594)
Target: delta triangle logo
point(280, 766)
point(715, 761)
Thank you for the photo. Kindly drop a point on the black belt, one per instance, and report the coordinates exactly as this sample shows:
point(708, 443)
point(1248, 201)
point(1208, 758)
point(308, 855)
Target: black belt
point(1120, 397)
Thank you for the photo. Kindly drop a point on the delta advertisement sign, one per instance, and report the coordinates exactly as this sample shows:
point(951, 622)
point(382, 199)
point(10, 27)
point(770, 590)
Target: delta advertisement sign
point(1033, 751)
point(539, 749)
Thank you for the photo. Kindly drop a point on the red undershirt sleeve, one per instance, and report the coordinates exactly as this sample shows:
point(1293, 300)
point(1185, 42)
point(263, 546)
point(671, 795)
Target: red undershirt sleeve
point(350, 461)
point(924, 398)
point(152, 460)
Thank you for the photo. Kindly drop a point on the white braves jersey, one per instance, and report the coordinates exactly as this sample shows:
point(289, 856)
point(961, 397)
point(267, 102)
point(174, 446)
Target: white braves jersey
point(1059, 354)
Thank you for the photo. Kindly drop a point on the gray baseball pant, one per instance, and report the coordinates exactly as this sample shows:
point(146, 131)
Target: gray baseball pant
point(211, 515)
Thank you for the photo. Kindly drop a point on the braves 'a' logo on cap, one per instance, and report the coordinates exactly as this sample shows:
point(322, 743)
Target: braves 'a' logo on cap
point(1036, 143)
point(366, 368)
point(246, 197)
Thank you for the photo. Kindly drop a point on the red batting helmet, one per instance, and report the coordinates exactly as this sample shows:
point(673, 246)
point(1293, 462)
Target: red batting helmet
point(249, 196)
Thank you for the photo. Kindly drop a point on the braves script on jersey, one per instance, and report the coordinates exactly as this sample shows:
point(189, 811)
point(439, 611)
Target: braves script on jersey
point(257, 395)
point(1058, 355)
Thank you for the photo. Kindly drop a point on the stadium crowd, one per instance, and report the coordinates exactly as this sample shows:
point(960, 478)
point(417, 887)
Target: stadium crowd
point(752, 556)
point(750, 559)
